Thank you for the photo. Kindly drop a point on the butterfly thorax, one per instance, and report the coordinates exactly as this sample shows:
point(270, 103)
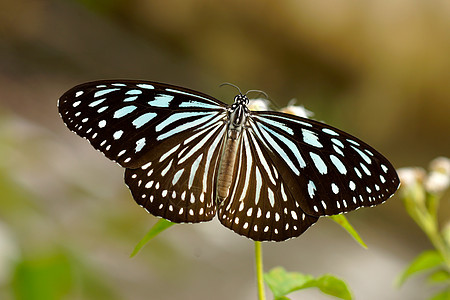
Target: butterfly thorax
point(238, 113)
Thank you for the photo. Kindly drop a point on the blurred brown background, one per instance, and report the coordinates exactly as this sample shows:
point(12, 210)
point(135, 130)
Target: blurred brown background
point(377, 69)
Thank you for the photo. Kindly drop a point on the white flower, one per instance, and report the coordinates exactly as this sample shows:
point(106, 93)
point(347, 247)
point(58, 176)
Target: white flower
point(258, 104)
point(297, 110)
point(438, 179)
point(412, 190)
point(440, 164)
point(411, 176)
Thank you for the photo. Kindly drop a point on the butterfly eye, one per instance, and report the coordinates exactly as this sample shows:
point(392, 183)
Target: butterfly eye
point(189, 157)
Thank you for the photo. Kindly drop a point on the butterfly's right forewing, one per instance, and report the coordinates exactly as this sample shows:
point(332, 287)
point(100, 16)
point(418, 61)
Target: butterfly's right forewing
point(130, 121)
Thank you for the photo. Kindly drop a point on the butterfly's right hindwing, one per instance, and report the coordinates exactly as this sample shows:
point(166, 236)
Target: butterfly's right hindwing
point(129, 121)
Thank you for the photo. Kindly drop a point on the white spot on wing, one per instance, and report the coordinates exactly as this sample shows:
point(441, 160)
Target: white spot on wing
point(102, 123)
point(334, 188)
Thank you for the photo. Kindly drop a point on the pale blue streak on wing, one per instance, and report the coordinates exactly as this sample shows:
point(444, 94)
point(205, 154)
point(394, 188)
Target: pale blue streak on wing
point(329, 131)
point(338, 164)
point(216, 120)
point(104, 92)
point(183, 127)
point(145, 86)
point(337, 142)
point(291, 146)
point(133, 92)
point(311, 138)
point(198, 104)
point(362, 154)
point(177, 176)
point(192, 95)
point(129, 99)
point(140, 144)
point(124, 111)
point(319, 163)
point(265, 131)
point(161, 100)
point(97, 102)
point(102, 109)
point(289, 120)
point(143, 119)
point(199, 145)
point(311, 189)
point(178, 116)
point(194, 170)
point(205, 127)
point(277, 124)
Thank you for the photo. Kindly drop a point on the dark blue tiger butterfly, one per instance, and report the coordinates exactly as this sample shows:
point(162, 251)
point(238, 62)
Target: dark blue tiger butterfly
point(188, 156)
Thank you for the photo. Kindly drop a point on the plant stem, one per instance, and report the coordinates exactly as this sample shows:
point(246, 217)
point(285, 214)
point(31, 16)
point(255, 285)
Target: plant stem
point(259, 271)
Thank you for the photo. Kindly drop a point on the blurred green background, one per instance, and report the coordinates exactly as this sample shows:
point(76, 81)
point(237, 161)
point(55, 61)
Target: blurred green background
point(377, 69)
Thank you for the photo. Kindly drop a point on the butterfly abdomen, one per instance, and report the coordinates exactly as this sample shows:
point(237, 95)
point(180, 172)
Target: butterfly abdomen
point(237, 119)
point(227, 163)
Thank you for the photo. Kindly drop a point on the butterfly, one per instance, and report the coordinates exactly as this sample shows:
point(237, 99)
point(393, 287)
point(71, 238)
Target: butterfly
point(188, 157)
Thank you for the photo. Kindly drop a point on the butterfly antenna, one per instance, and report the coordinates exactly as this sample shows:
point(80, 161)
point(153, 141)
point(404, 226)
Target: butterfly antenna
point(258, 91)
point(230, 84)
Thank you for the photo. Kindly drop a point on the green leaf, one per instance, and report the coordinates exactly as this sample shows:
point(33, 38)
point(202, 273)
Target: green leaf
point(159, 227)
point(439, 276)
point(282, 283)
point(444, 295)
point(342, 220)
point(333, 286)
point(424, 261)
point(43, 277)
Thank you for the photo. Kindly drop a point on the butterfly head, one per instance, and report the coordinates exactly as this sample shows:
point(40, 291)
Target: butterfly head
point(238, 112)
point(241, 99)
